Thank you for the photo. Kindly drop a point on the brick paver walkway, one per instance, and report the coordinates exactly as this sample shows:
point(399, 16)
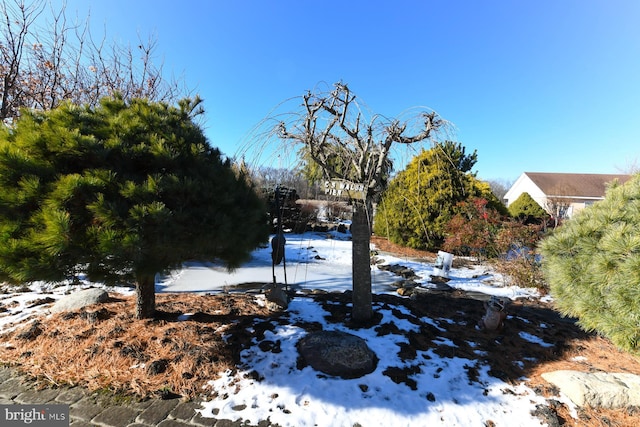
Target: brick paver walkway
point(92, 409)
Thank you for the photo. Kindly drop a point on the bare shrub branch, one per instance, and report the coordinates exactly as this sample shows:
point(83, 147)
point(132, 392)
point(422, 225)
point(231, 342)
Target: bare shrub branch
point(40, 67)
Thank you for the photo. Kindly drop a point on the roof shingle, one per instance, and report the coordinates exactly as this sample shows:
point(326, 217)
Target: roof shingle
point(582, 185)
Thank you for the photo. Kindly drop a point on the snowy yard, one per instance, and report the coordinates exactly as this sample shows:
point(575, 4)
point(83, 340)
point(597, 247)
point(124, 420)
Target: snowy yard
point(440, 389)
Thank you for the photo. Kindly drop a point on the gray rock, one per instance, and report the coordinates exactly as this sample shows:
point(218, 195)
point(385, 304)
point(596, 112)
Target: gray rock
point(276, 297)
point(79, 299)
point(598, 389)
point(338, 354)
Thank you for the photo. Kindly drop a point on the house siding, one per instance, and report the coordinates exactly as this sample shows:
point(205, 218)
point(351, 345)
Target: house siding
point(524, 184)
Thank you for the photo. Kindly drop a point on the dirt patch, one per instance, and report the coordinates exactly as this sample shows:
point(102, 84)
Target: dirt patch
point(385, 245)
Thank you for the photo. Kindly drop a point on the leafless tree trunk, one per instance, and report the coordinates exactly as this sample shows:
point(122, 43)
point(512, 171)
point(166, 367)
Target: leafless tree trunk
point(361, 262)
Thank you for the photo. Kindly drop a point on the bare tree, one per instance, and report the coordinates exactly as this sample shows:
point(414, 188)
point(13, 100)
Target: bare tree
point(499, 187)
point(334, 132)
point(631, 167)
point(17, 19)
point(40, 68)
point(558, 202)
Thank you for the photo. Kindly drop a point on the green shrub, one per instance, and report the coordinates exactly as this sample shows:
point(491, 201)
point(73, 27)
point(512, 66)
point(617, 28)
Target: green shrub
point(422, 199)
point(526, 209)
point(592, 264)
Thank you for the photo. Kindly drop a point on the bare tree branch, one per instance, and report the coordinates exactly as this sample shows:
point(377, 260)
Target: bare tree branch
point(329, 131)
point(17, 23)
point(342, 147)
point(40, 68)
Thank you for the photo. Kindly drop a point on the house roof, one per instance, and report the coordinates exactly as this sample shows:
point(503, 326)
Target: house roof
point(582, 185)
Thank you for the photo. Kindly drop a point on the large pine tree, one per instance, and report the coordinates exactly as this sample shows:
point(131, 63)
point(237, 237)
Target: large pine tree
point(119, 193)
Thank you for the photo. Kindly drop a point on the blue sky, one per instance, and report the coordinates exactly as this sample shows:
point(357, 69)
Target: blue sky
point(538, 86)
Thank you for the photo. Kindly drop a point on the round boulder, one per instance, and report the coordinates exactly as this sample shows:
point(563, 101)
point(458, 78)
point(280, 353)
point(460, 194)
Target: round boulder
point(338, 354)
point(79, 299)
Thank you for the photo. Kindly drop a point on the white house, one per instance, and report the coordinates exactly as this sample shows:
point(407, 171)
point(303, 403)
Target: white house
point(562, 194)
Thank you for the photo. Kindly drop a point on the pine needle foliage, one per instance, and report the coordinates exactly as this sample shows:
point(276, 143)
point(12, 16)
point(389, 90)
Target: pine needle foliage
point(118, 193)
point(592, 263)
point(525, 208)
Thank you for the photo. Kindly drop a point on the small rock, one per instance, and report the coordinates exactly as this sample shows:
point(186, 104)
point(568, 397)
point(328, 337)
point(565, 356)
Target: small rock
point(439, 279)
point(40, 301)
point(547, 415)
point(276, 297)
point(405, 292)
point(79, 299)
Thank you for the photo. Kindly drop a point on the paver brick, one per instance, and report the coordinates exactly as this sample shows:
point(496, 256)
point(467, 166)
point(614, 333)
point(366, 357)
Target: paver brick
point(85, 409)
point(173, 423)
point(12, 387)
point(185, 411)
point(229, 423)
point(157, 411)
point(116, 416)
point(71, 395)
point(5, 374)
point(37, 397)
point(199, 420)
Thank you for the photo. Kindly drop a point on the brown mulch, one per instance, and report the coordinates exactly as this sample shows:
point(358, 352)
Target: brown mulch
point(104, 348)
point(386, 246)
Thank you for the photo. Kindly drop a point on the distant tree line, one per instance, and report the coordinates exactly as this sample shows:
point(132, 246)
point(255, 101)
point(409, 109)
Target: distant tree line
point(47, 58)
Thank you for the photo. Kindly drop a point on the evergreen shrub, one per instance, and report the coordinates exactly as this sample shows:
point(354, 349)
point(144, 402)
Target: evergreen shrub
point(117, 193)
point(421, 200)
point(526, 209)
point(592, 264)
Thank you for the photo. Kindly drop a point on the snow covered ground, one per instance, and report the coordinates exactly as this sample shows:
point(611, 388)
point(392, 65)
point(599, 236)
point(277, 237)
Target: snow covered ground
point(300, 397)
point(322, 261)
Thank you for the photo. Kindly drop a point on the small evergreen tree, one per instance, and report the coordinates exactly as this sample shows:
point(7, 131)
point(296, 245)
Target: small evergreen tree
point(526, 209)
point(119, 193)
point(421, 200)
point(592, 264)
